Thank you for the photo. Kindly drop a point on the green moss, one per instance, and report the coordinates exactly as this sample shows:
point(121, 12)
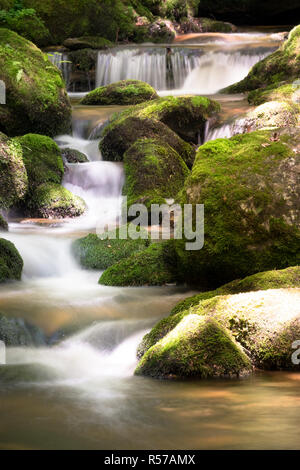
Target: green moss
point(25, 22)
point(152, 267)
point(214, 26)
point(153, 171)
point(13, 175)
point(185, 115)
point(36, 97)
point(11, 263)
point(285, 278)
point(274, 114)
point(119, 137)
point(43, 160)
point(197, 347)
point(50, 200)
point(249, 187)
point(272, 93)
point(258, 320)
point(283, 64)
point(93, 252)
point(87, 42)
point(125, 92)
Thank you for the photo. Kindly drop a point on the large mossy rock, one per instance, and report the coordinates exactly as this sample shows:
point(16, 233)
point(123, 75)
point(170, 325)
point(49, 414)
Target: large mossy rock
point(36, 99)
point(93, 252)
point(250, 188)
point(185, 115)
point(284, 64)
point(273, 114)
point(197, 347)
point(282, 279)
point(52, 201)
point(119, 137)
point(259, 321)
point(154, 172)
point(11, 263)
point(13, 175)
point(43, 160)
point(125, 92)
point(154, 266)
point(87, 42)
point(17, 332)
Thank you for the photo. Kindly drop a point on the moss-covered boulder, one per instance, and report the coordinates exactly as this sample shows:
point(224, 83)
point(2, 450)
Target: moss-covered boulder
point(249, 185)
point(11, 263)
point(153, 267)
point(282, 279)
point(197, 347)
point(159, 31)
point(3, 224)
point(74, 156)
point(282, 93)
point(36, 99)
point(43, 160)
point(125, 92)
point(284, 64)
point(17, 332)
point(273, 114)
point(204, 25)
point(87, 42)
point(185, 115)
point(52, 201)
point(96, 252)
point(13, 175)
point(209, 25)
point(154, 172)
point(259, 321)
point(119, 137)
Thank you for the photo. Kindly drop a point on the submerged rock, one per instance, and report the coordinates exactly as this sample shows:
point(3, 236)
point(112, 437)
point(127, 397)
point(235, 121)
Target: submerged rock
point(17, 332)
point(74, 156)
point(124, 92)
point(197, 347)
point(50, 200)
point(36, 99)
point(11, 263)
point(13, 175)
point(93, 252)
point(154, 172)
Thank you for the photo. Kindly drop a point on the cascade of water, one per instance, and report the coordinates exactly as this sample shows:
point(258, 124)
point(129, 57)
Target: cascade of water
point(190, 70)
point(60, 60)
point(226, 131)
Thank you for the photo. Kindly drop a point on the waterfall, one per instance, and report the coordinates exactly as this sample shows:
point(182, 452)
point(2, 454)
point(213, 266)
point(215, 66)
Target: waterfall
point(191, 70)
point(226, 131)
point(61, 61)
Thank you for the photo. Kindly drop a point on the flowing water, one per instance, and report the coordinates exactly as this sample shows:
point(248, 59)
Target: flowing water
point(78, 390)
